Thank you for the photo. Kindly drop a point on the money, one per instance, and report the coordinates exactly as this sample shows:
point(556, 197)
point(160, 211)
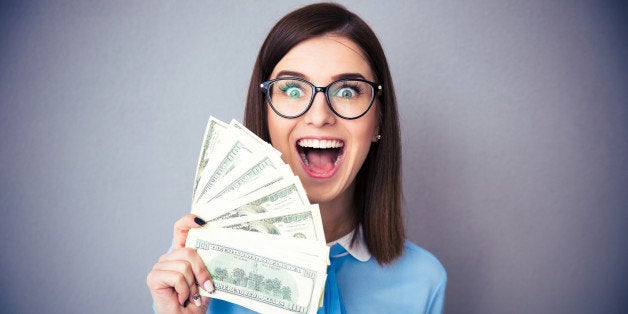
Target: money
point(303, 223)
point(263, 172)
point(258, 276)
point(244, 132)
point(283, 195)
point(244, 162)
point(212, 135)
point(264, 243)
point(237, 153)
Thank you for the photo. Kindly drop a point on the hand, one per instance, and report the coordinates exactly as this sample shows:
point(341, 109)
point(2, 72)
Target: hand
point(181, 228)
point(172, 281)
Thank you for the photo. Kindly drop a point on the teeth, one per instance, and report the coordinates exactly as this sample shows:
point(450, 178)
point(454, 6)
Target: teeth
point(316, 143)
point(321, 144)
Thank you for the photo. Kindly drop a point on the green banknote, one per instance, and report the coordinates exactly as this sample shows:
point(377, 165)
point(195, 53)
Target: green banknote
point(212, 136)
point(300, 223)
point(266, 279)
point(264, 243)
point(284, 195)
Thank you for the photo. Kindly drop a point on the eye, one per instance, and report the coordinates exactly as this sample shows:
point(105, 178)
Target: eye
point(292, 90)
point(346, 92)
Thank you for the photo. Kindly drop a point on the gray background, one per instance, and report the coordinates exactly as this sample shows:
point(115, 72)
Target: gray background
point(514, 131)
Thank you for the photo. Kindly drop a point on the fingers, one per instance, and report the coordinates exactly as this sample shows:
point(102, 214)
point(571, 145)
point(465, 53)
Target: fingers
point(194, 266)
point(177, 266)
point(182, 267)
point(162, 283)
point(174, 279)
point(181, 228)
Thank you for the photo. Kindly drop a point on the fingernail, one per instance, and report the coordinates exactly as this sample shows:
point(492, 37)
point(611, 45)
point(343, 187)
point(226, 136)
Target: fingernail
point(197, 299)
point(199, 221)
point(209, 286)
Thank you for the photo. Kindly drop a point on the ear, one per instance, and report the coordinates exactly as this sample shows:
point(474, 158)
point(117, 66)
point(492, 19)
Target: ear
point(376, 136)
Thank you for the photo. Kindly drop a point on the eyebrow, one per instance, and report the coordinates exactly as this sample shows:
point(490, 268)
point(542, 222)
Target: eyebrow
point(287, 73)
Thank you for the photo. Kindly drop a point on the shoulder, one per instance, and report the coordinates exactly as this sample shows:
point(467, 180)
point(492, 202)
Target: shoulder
point(413, 283)
point(421, 263)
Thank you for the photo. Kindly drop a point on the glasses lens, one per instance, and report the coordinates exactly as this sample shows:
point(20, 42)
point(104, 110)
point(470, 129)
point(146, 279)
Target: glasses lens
point(290, 97)
point(351, 98)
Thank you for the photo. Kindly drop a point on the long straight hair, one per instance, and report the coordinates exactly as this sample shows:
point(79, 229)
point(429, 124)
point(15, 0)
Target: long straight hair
point(378, 194)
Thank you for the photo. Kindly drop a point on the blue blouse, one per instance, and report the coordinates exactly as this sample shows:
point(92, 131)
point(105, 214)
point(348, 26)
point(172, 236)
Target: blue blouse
point(414, 283)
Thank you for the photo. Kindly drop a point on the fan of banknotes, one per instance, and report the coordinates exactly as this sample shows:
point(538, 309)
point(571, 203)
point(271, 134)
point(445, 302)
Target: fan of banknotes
point(264, 243)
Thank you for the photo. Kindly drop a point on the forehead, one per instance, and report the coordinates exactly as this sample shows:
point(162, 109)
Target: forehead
point(321, 58)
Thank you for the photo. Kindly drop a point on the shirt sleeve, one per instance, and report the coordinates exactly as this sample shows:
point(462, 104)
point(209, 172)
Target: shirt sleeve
point(437, 300)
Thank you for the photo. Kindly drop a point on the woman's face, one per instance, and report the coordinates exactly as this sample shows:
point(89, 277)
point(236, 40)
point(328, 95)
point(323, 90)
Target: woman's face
point(329, 172)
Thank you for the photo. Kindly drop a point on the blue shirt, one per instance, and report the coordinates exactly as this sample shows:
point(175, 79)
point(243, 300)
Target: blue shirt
point(413, 283)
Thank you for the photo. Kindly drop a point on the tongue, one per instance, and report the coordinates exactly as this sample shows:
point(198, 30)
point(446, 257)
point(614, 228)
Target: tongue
point(321, 160)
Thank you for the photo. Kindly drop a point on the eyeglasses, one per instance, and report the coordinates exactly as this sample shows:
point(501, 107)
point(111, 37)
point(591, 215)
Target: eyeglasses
point(347, 98)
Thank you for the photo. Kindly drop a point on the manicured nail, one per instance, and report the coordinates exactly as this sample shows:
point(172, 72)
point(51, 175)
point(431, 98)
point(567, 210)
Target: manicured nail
point(209, 286)
point(197, 299)
point(199, 221)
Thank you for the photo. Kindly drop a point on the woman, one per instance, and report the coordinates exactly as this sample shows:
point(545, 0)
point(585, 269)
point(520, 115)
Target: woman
point(344, 145)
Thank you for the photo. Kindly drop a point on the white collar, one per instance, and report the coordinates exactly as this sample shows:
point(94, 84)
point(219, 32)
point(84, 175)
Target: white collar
point(358, 249)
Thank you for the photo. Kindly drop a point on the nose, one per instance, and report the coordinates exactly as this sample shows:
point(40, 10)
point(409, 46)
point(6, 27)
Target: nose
point(319, 113)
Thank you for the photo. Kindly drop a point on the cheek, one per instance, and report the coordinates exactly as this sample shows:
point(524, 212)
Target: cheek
point(377, 117)
point(363, 150)
point(273, 126)
point(364, 134)
point(279, 130)
point(362, 138)
point(370, 127)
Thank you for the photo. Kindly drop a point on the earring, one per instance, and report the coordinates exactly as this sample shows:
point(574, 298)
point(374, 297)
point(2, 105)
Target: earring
point(379, 137)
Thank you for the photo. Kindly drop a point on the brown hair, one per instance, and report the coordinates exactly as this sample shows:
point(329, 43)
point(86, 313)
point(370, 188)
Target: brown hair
point(377, 197)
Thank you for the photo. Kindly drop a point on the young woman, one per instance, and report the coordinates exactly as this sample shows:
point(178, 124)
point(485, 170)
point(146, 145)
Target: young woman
point(322, 94)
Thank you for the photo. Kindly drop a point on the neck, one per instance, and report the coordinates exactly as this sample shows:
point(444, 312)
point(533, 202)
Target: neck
point(337, 215)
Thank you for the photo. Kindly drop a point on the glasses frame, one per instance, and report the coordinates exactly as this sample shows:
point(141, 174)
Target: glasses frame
point(377, 91)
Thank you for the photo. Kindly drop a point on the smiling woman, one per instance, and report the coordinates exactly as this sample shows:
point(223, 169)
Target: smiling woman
point(329, 176)
point(321, 94)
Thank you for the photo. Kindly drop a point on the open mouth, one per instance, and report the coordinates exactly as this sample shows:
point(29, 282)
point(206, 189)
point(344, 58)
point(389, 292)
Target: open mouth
point(320, 156)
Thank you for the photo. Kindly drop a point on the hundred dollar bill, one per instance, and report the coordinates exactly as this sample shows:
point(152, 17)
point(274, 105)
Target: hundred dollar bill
point(313, 250)
point(283, 195)
point(235, 155)
point(239, 151)
point(212, 136)
point(257, 276)
point(267, 170)
point(237, 146)
point(304, 223)
point(243, 131)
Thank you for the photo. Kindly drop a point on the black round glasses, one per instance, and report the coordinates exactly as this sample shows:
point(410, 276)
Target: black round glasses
point(347, 98)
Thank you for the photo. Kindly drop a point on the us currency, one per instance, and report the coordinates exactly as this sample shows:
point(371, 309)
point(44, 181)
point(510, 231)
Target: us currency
point(242, 185)
point(212, 136)
point(262, 278)
point(238, 149)
point(265, 171)
point(283, 195)
point(313, 250)
point(303, 223)
point(235, 155)
point(243, 131)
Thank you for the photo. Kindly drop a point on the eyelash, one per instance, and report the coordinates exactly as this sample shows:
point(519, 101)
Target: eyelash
point(295, 84)
point(354, 87)
point(285, 86)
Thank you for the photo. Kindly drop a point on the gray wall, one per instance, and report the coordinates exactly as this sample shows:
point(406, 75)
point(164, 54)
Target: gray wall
point(514, 128)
